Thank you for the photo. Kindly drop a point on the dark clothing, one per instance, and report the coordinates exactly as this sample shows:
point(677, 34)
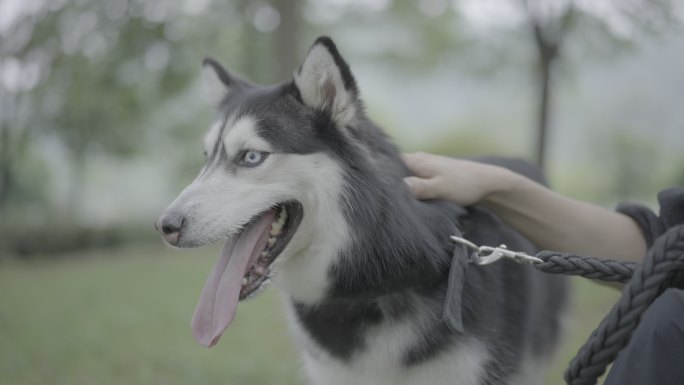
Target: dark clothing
point(655, 353)
point(671, 214)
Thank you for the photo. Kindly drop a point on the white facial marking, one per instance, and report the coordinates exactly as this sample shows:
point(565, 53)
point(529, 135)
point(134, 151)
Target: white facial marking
point(242, 136)
point(211, 136)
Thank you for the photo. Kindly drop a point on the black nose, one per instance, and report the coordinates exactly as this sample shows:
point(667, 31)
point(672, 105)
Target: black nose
point(172, 223)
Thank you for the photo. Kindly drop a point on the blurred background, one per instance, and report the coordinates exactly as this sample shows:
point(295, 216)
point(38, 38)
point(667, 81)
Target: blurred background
point(101, 115)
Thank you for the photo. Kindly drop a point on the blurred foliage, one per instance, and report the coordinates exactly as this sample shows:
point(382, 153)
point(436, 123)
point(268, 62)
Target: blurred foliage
point(96, 69)
point(60, 238)
point(83, 81)
point(633, 160)
point(678, 173)
point(85, 78)
point(467, 143)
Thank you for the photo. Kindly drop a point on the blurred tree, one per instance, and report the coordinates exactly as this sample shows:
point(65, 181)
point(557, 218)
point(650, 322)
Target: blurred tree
point(272, 31)
point(286, 41)
point(93, 80)
point(89, 74)
point(13, 134)
point(627, 158)
point(412, 36)
point(112, 77)
point(425, 34)
point(90, 88)
point(548, 27)
point(616, 21)
point(550, 23)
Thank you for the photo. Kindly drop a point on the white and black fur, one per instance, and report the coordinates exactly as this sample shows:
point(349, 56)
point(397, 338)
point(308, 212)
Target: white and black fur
point(366, 273)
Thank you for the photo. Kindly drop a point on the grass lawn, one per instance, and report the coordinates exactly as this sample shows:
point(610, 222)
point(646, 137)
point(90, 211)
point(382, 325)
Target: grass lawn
point(123, 316)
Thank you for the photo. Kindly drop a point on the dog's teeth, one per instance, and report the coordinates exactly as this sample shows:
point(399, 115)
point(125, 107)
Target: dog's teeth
point(259, 269)
point(271, 241)
point(276, 228)
point(282, 217)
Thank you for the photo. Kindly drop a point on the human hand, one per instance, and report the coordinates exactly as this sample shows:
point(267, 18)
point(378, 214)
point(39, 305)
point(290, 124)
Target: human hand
point(461, 181)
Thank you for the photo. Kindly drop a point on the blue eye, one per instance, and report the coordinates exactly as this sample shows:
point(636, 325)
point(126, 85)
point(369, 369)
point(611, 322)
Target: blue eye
point(253, 158)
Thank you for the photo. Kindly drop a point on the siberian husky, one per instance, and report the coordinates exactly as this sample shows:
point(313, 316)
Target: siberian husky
point(307, 194)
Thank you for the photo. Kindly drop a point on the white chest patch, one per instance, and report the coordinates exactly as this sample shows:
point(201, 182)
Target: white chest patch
point(381, 363)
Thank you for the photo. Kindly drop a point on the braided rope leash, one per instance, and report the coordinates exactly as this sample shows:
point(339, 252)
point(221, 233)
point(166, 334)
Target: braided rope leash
point(606, 270)
point(645, 282)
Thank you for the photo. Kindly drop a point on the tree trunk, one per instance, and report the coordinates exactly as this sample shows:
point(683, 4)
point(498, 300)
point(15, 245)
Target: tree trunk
point(548, 46)
point(286, 38)
point(548, 36)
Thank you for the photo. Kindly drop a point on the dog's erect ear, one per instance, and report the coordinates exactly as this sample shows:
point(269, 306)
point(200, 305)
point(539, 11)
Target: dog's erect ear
point(218, 82)
point(325, 81)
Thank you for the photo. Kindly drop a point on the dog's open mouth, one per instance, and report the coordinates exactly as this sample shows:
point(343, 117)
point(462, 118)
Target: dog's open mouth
point(243, 269)
point(279, 234)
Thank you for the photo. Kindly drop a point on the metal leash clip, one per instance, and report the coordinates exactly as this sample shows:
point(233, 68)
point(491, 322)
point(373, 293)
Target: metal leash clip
point(484, 255)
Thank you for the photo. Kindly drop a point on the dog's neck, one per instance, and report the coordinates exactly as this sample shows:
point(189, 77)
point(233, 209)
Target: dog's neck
point(396, 263)
point(397, 242)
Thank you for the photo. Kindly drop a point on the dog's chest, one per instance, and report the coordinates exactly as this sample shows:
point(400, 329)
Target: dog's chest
point(382, 359)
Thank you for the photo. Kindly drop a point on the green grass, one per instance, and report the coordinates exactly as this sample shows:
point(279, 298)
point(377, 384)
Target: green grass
point(122, 317)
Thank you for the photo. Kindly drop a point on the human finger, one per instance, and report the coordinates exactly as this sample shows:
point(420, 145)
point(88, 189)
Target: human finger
point(419, 163)
point(420, 188)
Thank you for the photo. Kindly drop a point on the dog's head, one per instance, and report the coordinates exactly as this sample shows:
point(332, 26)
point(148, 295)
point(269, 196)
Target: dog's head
point(270, 186)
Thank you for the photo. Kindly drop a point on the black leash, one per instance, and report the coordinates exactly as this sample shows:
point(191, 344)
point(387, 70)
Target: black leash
point(644, 283)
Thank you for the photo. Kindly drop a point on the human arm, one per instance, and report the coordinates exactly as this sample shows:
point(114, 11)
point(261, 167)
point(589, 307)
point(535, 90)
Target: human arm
point(549, 219)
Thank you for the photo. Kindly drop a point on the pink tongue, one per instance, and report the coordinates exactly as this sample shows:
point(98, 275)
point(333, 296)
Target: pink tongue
point(218, 302)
